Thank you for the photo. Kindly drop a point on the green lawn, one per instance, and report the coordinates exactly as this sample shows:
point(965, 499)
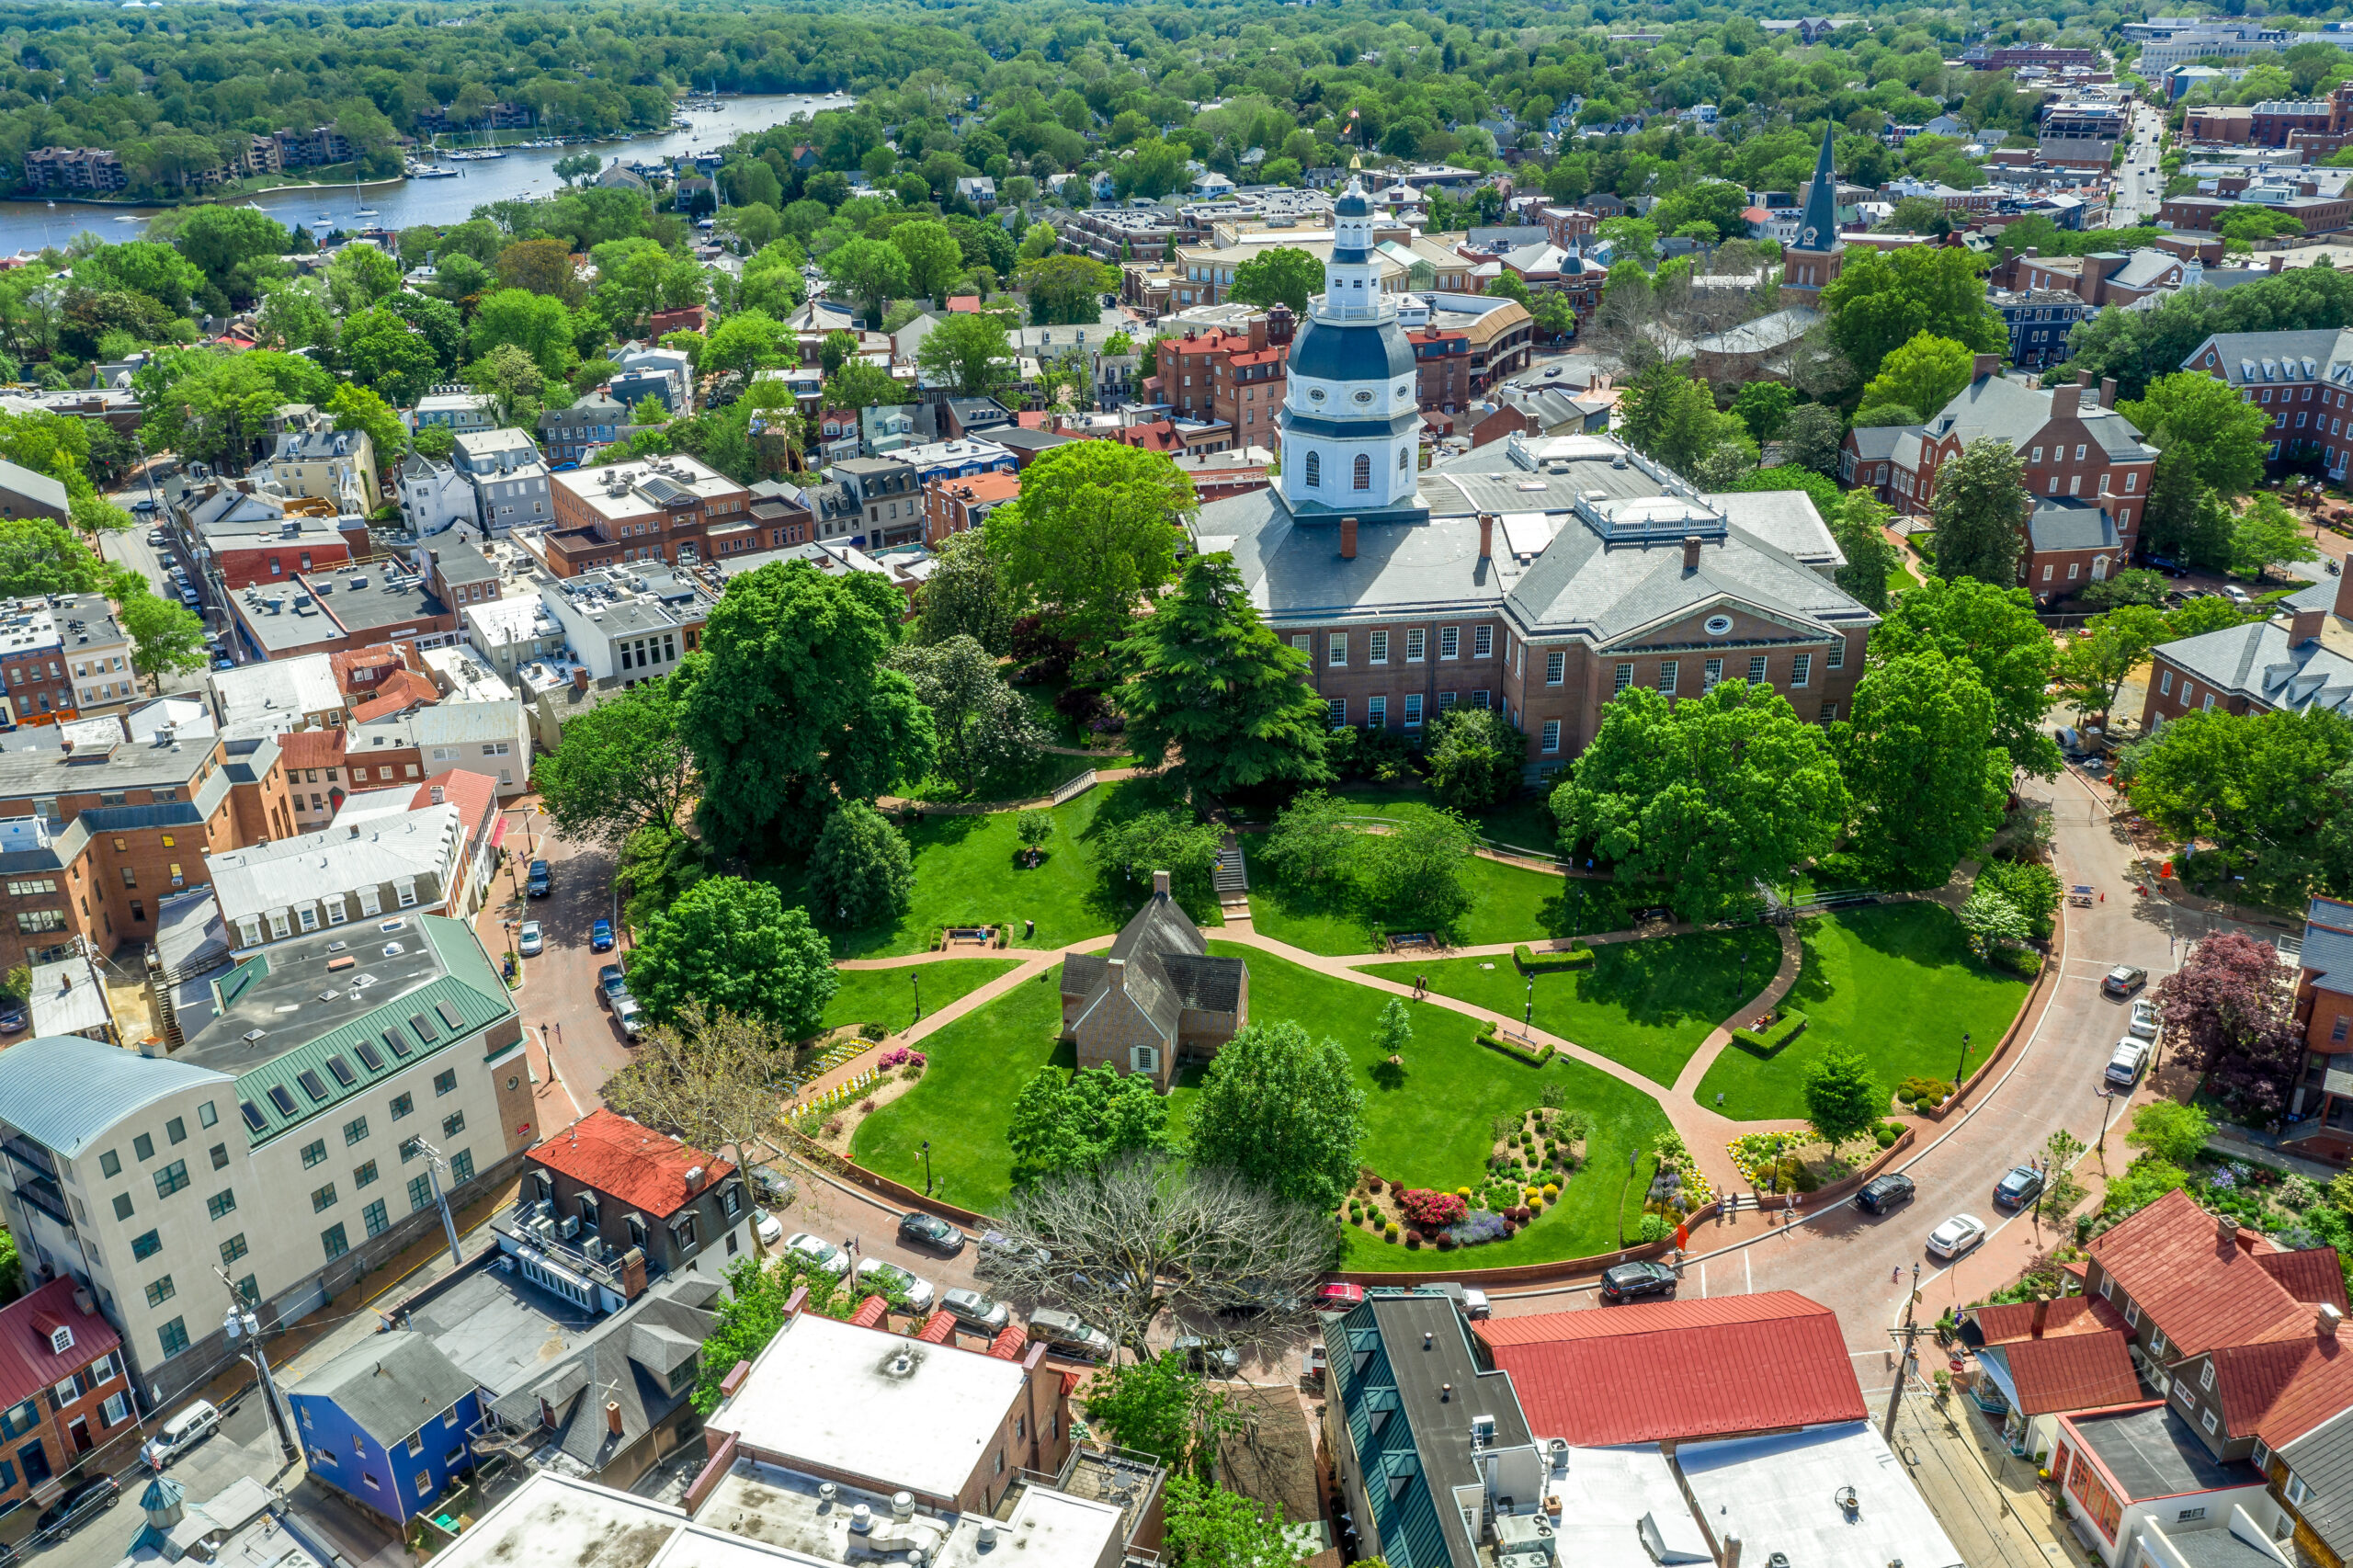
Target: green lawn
point(1429, 1129)
point(1646, 1004)
point(964, 1104)
point(887, 997)
point(1895, 983)
point(966, 875)
point(1900, 577)
point(1508, 903)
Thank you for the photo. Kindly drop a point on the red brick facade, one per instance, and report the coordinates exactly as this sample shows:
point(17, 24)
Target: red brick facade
point(63, 1390)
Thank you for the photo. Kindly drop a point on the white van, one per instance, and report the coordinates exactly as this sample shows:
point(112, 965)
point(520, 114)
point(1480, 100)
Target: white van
point(187, 1428)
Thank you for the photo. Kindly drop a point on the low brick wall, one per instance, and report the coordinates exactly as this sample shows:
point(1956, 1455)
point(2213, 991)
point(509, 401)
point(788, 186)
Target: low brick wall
point(2043, 984)
point(881, 1186)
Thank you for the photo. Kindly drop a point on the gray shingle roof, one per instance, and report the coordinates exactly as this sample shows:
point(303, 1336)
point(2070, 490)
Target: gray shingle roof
point(1877, 443)
point(2328, 945)
point(390, 1384)
point(2260, 358)
point(2258, 662)
point(2061, 522)
point(1164, 970)
point(2324, 1458)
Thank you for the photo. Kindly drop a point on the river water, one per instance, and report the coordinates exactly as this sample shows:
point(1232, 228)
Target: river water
point(522, 172)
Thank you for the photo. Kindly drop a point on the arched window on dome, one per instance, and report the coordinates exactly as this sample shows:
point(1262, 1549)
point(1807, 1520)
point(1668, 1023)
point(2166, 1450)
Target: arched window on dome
point(1404, 459)
point(1314, 470)
point(1364, 471)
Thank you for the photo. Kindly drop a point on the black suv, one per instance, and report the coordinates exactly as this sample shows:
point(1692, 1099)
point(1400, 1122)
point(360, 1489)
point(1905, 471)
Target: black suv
point(1882, 1193)
point(930, 1231)
point(75, 1509)
point(1630, 1280)
point(539, 884)
point(2021, 1186)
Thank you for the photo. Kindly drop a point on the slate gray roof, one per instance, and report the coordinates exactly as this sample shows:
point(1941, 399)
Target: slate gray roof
point(66, 1092)
point(2261, 359)
point(1766, 333)
point(390, 1384)
point(2258, 661)
point(1166, 969)
point(2328, 946)
point(1877, 443)
point(2144, 268)
point(33, 486)
point(2323, 1458)
point(2012, 411)
point(2062, 522)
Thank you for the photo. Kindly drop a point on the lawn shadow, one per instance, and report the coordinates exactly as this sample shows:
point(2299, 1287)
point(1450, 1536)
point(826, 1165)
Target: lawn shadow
point(1671, 981)
point(1925, 933)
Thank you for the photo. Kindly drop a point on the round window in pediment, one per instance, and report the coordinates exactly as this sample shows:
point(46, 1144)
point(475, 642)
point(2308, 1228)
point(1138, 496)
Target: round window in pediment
point(1315, 394)
point(1718, 625)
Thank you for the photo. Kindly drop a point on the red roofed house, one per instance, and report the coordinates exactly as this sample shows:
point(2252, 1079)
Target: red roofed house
point(2238, 1334)
point(657, 1206)
point(2039, 1360)
point(315, 775)
point(1675, 1371)
point(62, 1388)
point(955, 506)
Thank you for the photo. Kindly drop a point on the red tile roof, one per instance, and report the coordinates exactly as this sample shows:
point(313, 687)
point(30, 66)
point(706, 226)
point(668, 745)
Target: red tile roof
point(401, 689)
point(2068, 1314)
point(939, 1329)
point(1678, 1370)
point(639, 1167)
point(473, 793)
point(312, 749)
point(357, 670)
point(870, 1313)
point(2205, 1291)
point(1010, 1344)
point(2282, 1390)
point(1160, 436)
point(2076, 1371)
point(2312, 1275)
point(26, 1363)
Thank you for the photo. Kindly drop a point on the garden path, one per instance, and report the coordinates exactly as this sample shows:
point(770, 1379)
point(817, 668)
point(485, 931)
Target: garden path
point(1686, 1083)
point(983, 808)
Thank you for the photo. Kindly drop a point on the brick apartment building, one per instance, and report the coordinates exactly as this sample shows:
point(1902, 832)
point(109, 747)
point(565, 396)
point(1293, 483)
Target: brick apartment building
point(2262, 666)
point(64, 1391)
point(1223, 374)
point(97, 825)
point(2297, 377)
point(2319, 1122)
point(74, 168)
point(954, 506)
point(650, 509)
point(60, 656)
point(2318, 214)
point(259, 539)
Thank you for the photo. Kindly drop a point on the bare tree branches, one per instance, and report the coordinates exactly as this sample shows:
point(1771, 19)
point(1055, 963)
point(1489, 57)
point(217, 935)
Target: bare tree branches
point(707, 1081)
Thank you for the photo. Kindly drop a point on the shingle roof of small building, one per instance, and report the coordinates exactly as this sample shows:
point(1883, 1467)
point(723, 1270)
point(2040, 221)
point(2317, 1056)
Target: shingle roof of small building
point(390, 1384)
point(2261, 660)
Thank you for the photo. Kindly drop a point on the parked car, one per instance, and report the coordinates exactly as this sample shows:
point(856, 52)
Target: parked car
point(2020, 1186)
point(2146, 1020)
point(2124, 980)
point(186, 1429)
point(1207, 1356)
point(1882, 1193)
point(973, 1311)
point(12, 1017)
point(770, 1229)
point(2238, 595)
point(77, 1507)
point(1338, 1296)
point(775, 1186)
point(1066, 1333)
point(1956, 1237)
point(880, 1276)
point(611, 984)
point(600, 936)
point(998, 1249)
point(630, 1016)
point(1628, 1281)
point(1252, 1297)
point(143, 506)
point(930, 1230)
point(2125, 1064)
point(539, 882)
point(527, 941)
point(819, 1251)
point(1471, 1302)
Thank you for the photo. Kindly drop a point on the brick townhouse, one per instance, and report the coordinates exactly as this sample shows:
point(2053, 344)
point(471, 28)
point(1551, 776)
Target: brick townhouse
point(1220, 373)
point(98, 824)
point(2263, 666)
point(2304, 380)
point(2318, 214)
point(646, 510)
point(2319, 1122)
point(954, 506)
point(2087, 469)
point(63, 1390)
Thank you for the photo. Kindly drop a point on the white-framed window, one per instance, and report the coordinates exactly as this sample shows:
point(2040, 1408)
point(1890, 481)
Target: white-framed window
point(336, 915)
point(2047, 571)
point(406, 891)
point(1144, 1059)
point(1756, 669)
point(1445, 700)
point(1552, 734)
point(370, 901)
point(2165, 682)
point(1378, 651)
point(1412, 710)
point(2262, 1455)
point(1376, 711)
point(307, 917)
point(1336, 648)
point(1450, 642)
point(2107, 1287)
point(1837, 659)
point(2133, 1314)
point(2208, 1422)
point(1711, 673)
point(2297, 1491)
point(1303, 642)
point(1623, 679)
point(1483, 641)
point(116, 1410)
point(2206, 1375)
point(1801, 669)
point(1556, 665)
point(1413, 642)
point(1666, 668)
point(1336, 710)
point(61, 1340)
point(279, 928)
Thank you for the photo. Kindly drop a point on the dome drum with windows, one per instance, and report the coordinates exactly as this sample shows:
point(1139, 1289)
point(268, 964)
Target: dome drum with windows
point(1350, 422)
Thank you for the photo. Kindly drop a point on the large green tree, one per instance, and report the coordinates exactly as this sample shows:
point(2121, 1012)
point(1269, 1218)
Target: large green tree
point(1882, 300)
point(1926, 773)
point(1859, 527)
point(1281, 275)
point(1094, 533)
point(788, 711)
point(1706, 795)
point(1476, 758)
point(872, 272)
point(1065, 1122)
point(1995, 630)
point(1210, 1527)
point(2266, 786)
point(729, 943)
point(935, 262)
point(981, 722)
point(2224, 437)
point(969, 352)
point(385, 353)
point(860, 873)
point(1284, 1111)
point(1671, 415)
point(2093, 666)
point(2266, 535)
point(1978, 511)
point(1212, 683)
point(965, 596)
point(38, 557)
point(1842, 1099)
point(1922, 374)
point(623, 765)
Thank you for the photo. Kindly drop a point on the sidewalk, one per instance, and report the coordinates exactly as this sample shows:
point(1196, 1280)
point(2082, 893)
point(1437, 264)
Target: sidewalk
point(1985, 1498)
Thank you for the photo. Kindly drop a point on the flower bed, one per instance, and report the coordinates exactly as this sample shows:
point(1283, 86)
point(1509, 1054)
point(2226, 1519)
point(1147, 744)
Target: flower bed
point(1773, 1031)
point(1520, 1049)
point(1534, 1154)
point(1530, 961)
point(1923, 1094)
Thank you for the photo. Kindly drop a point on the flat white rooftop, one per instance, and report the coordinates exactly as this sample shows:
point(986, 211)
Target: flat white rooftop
point(845, 1399)
point(1622, 1508)
point(1780, 1495)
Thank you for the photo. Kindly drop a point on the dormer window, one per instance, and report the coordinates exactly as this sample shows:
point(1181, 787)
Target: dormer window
point(61, 1340)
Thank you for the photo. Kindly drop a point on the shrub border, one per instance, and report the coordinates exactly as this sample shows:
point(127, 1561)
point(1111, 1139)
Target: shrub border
point(1518, 1051)
point(1790, 1025)
point(1529, 962)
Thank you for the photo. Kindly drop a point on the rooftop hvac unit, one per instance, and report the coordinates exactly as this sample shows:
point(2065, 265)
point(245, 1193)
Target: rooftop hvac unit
point(571, 1226)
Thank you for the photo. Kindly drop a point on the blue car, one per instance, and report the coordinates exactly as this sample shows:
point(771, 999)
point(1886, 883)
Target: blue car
point(600, 936)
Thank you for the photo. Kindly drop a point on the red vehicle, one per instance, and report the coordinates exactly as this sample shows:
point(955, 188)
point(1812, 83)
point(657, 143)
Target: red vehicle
point(1338, 1296)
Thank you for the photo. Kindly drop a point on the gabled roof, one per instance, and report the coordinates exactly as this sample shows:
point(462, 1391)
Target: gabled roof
point(389, 1384)
point(2203, 1290)
point(2068, 1315)
point(1876, 443)
point(1678, 1370)
point(2262, 661)
point(2082, 1372)
point(632, 1164)
point(2323, 1457)
point(2327, 956)
point(26, 1363)
point(2063, 522)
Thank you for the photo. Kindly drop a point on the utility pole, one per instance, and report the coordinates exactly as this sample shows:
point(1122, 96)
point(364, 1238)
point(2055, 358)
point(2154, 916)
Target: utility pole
point(1909, 1335)
point(433, 1166)
point(241, 1319)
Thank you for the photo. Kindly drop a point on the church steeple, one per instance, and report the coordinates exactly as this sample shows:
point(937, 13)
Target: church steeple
point(1815, 256)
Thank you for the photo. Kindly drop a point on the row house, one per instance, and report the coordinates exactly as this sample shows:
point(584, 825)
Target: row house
point(75, 169)
point(957, 505)
point(65, 1389)
point(2038, 320)
point(62, 657)
point(656, 509)
point(248, 540)
point(1228, 374)
point(2304, 380)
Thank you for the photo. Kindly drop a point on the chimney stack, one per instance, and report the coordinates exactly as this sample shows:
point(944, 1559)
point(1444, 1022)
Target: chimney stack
point(1280, 326)
point(1985, 365)
point(2065, 400)
point(2041, 1317)
point(1348, 538)
point(580, 679)
point(2305, 625)
point(1691, 553)
point(1258, 333)
point(613, 1417)
point(1732, 1551)
point(2108, 392)
point(1160, 885)
point(2226, 1230)
point(2325, 1319)
point(1486, 534)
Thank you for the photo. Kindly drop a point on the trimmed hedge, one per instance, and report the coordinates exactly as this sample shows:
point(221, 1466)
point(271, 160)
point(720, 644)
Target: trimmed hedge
point(2023, 961)
point(1517, 1050)
point(1530, 961)
point(1787, 1028)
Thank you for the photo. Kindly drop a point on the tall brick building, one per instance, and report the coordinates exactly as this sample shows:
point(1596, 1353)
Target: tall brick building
point(1237, 377)
point(657, 508)
point(63, 1385)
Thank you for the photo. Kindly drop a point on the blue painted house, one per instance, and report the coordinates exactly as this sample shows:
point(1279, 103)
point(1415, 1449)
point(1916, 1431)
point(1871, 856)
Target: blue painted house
point(386, 1423)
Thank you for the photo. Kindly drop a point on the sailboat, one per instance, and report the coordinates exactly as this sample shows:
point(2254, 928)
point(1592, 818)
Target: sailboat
point(362, 210)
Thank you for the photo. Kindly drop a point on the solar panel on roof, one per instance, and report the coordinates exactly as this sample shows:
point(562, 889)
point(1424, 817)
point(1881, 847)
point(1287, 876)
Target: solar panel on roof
point(451, 1016)
point(424, 1028)
point(313, 1084)
point(342, 1071)
point(398, 1041)
point(254, 1120)
point(369, 1057)
point(282, 1099)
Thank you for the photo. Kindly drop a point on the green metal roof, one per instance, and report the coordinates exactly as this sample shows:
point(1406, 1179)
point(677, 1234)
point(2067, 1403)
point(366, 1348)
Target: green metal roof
point(314, 1078)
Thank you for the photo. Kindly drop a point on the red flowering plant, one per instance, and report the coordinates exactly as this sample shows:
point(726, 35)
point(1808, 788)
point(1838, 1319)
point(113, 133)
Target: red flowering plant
point(1428, 1210)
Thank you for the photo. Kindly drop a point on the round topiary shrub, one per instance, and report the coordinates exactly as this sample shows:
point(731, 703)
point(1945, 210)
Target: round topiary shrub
point(1390, 1229)
point(1445, 1242)
point(1412, 1241)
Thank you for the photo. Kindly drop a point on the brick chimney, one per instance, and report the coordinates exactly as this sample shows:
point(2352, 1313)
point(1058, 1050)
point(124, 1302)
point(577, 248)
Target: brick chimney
point(613, 1417)
point(2226, 1230)
point(1280, 324)
point(2344, 604)
point(1691, 553)
point(1985, 365)
point(2066, 399)
point(2041, 1317)
point(1160, 886)
point(632, 1274)
point(2274, 261)
point(1258, 333)
point(2304, 625)
point(1486, 534)
point(580, 679)
point(1348, 538)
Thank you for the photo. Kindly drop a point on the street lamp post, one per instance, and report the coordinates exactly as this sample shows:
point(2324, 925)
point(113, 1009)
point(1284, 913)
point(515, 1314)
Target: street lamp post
point(916, 975)
point(241, 1319)
point(926, 1167)
point(1962, 1070)
point(2106, 1107)
point(1528, 1020)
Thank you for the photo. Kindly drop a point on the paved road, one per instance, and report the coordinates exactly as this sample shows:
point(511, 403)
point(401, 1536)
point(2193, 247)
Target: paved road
point(242, 1447)
point(2140, 184)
